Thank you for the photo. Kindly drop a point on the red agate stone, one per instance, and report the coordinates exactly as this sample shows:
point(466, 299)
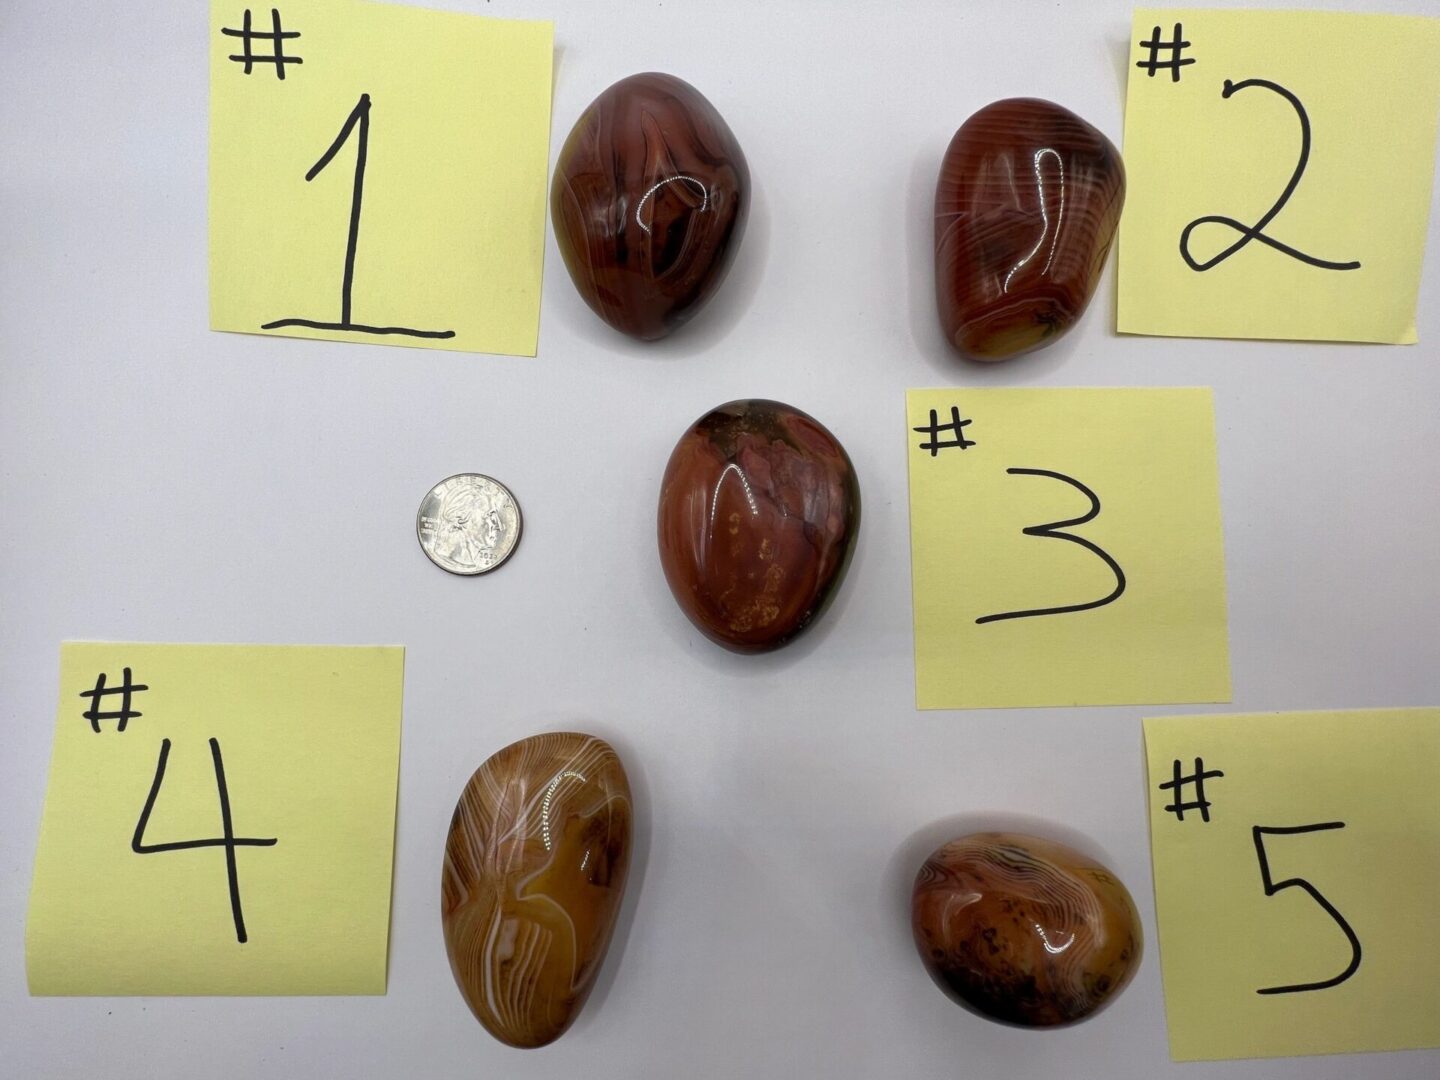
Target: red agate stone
point(759, 509)
point(1025, 211)
point(649, 202)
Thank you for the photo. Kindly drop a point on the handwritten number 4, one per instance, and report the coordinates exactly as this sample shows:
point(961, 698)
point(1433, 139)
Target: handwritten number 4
point(1272, 887)
point(229, 841)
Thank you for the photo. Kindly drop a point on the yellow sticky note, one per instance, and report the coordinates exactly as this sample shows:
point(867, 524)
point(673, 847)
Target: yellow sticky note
point(378, 173)
point(220, 820)
point(1297, 862)
point(1066, 547)
point(1279, 168)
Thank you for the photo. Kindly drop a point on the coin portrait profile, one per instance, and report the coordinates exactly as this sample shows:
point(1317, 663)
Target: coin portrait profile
point(468, 524)
point(469, 527)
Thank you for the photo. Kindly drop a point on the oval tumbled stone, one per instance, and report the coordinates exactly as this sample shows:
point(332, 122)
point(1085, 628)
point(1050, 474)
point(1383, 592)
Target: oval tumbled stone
point(535, 868)
point(649, 202)
point(1023, 930)
point(1025, 211)
point(759, 509)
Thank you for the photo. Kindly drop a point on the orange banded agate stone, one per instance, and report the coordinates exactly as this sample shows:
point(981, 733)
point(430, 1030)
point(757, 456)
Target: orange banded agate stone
point(535, 867)
point(1026, 208)
point(1024, 931)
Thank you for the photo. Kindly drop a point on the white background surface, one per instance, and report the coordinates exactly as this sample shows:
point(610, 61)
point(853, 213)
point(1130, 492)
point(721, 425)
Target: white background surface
point(162, 482)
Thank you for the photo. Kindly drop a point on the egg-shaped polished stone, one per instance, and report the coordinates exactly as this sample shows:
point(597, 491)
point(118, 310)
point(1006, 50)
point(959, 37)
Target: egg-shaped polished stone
point(649, 202)
point(1023, 930)
point(535, 867)
point(759, 509)
point(1026, 208)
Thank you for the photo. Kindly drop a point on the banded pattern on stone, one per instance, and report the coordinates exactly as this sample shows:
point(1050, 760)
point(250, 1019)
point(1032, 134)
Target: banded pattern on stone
point(1026, 207)
point(649, 201)
point(535, 867)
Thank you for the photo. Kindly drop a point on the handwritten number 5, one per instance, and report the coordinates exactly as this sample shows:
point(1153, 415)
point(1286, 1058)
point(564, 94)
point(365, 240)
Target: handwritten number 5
point(1051, 531)
point(1272, 887)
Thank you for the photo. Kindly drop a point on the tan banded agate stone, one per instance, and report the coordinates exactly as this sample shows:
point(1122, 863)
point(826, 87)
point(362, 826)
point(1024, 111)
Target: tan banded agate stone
point(535, 868)
point(1024, 931)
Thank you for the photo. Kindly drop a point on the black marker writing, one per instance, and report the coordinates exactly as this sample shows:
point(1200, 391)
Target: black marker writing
point(1256, 231)
point(1259, 832)
point(358, 121)
point(933, 430)
point(275, 36)
point(1051, 531)
point(1180, 782)
point(1176, 45)
point(124, 714)
point(228, 840)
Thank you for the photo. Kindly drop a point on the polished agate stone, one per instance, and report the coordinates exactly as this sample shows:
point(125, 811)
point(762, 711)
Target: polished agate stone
point(1022, 930)
point(649, 202)
point(1025, 211)
point(534, 872)
point(758, 514)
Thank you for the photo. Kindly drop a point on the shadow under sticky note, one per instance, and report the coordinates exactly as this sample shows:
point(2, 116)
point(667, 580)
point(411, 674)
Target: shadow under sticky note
point(378, 173)
point(1297, 862)
point(220, 819)
point(1066, 547)
point(1280, 165)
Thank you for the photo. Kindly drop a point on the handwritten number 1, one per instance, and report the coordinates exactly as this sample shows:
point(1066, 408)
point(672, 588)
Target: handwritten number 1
point(359, 116)
point(1051, 531)
point(1272, 887)
point(358, 120)
point(229, 841)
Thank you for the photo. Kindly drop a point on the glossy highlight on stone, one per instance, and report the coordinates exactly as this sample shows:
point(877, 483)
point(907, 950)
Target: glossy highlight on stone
point(1024, 931)
point(1026, 207)
point(759, 509)
point(649, 201)
point(535, 867)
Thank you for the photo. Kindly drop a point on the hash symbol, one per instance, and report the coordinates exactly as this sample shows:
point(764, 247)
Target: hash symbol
point(1175, 45)
point(124, 714)
point(935, 427)
point(275, 35)
point(1179, 783)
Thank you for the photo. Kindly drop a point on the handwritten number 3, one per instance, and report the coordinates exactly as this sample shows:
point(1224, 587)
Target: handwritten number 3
point(1051, 531)
point(1272, 887)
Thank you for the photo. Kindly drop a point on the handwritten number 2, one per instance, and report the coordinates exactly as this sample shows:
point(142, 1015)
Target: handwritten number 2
point(1052, 531)
point(229, 841)
point(1272, 887)
point(1257, 231)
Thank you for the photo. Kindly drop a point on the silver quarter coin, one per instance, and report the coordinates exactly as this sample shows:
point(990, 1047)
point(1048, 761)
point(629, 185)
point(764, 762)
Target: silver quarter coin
point(468, 524)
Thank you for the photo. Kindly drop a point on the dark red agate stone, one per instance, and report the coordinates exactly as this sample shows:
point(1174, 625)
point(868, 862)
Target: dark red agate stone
point(759, 509)
point(649, 202)
point(1025, 211)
